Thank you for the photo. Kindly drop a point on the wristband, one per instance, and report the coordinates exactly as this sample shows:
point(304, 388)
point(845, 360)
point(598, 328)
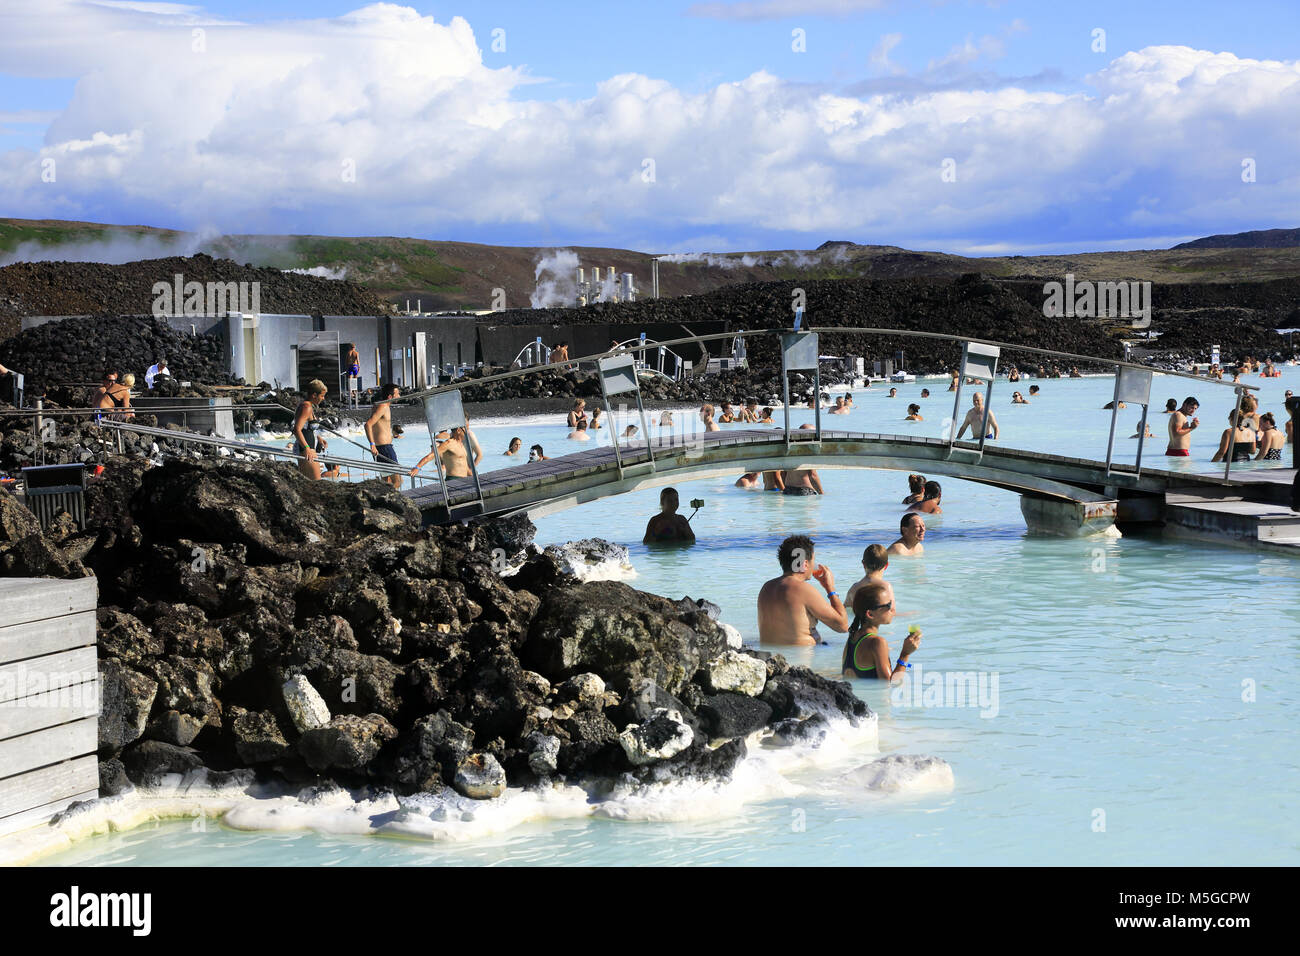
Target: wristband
point(902, 663)
point(831, 594)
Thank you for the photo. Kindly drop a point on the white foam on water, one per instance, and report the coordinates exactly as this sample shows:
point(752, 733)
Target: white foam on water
point(766, 773)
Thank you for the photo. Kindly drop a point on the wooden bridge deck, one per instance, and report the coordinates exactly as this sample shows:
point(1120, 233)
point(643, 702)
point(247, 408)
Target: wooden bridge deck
point(557, 483)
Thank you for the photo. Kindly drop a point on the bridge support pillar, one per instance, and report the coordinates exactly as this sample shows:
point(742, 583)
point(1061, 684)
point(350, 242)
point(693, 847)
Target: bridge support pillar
point(1062, 518)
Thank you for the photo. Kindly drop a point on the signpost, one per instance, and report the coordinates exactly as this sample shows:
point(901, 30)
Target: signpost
point(617, 377)
point(978, 362)
point(444, 412)
point(799, 352)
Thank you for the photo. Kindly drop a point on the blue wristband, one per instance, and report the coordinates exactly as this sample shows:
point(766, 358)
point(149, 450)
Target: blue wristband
point(831, 594)
point(902, 663)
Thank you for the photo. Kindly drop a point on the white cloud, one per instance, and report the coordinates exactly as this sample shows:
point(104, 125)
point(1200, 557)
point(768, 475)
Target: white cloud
point(261, 132)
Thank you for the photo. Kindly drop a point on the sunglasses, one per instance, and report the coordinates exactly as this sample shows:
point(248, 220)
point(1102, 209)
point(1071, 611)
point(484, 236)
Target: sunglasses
point(880, 607)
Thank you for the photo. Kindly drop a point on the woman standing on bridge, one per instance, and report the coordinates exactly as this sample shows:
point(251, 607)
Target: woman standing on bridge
point(304, 430)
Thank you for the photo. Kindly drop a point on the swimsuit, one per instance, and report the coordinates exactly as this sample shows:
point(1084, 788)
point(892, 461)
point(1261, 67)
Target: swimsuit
point(1273, 454)
point(799, 490)
point(309, 433)
point(1178, 452)
point(385, 453)
point(850, 662)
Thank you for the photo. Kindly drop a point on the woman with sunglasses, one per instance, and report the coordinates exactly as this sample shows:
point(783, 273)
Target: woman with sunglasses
point(866, 653)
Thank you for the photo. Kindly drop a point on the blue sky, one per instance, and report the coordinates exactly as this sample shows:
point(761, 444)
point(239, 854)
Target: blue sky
point(1055, 146)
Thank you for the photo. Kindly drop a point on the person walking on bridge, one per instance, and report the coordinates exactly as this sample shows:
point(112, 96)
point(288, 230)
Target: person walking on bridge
point(304, 430)
point(379, 431)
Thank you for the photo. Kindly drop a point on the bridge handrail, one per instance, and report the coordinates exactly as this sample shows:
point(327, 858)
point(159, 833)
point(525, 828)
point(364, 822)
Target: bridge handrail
point(717, 336)
point(259, 449)
point(49, 411)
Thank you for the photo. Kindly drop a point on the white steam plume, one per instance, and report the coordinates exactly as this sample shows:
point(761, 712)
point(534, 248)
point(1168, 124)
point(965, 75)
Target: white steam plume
point(559, 288)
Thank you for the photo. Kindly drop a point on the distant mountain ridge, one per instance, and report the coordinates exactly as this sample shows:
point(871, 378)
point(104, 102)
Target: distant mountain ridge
point(444, 274)
point(1257, 239)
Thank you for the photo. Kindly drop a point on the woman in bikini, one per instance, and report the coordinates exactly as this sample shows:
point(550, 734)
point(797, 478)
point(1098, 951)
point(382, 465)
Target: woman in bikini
point(304, 430)
point(1271, 439)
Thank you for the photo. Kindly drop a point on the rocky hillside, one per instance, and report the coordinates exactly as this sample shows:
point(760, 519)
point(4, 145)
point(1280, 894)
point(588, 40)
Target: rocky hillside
point(92, 288)
point(1257, 239)
point(449, 275)
point(250, 618)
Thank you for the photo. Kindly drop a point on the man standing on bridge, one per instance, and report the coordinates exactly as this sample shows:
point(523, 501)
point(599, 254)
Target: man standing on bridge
point(379, 431)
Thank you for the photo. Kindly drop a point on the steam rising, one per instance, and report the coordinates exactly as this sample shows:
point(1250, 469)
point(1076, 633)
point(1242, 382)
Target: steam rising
point(557, 282)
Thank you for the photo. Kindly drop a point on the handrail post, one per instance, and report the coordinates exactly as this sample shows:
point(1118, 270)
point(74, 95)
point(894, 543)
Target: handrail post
point(1232, 434)
point(1114, 417)
point(956, 407)
point(1142, 437)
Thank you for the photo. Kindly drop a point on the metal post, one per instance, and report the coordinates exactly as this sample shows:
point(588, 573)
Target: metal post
point(785, 394)
point(956, 407)
point(473, 469)
point(1142, 437)
point(442, 479)
point(817, 401)
point(1232, 435)
point(1114, 417)
point(645, 430)
point(988, 410)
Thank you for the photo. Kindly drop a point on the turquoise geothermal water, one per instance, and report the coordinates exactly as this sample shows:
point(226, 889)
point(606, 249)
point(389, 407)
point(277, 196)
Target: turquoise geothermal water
point(1145, 709)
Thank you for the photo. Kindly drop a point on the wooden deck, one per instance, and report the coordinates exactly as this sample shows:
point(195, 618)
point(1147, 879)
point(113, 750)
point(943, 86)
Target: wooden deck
point(49, 698)
point(545, 486)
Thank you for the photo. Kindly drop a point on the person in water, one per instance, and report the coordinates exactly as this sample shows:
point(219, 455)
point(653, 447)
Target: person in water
point(875, 560)
point(916, 489)
point(1181, 425)
point(925, 393)
point(789, 607)
point(578, 413)
point(801, 481)
point(304, 430)
point(513, 448)
point(840, 408)
point(866, 653)
point(766, 417)
point(668, 526)
point(1271, 439)
point(929, 503)
point(1240, 436)
point(595, 418)
point(579, 432)
point(911, 530)
point(1171, 406)
point(914, 413)
point(772, 481)
point(1018, 399)
point(454, 451)
point(706, 416)
point(1034, 390)
point(535, 453)
point(975, 420)
point(728, 416)
point(749, 479)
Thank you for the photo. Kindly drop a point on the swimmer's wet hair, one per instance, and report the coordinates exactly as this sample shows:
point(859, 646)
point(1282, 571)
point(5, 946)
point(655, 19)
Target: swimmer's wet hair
point(795, 546)
point(902, 523)
point(875, 557)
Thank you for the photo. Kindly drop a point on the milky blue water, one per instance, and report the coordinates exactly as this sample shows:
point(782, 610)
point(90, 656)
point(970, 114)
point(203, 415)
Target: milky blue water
point(1145, 708)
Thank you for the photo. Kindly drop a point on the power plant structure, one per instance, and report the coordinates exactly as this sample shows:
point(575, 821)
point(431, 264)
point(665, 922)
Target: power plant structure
point(614, 288)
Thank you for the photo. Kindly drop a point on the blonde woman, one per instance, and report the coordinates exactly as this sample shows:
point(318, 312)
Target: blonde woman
point(304, 430)
point(579, 413)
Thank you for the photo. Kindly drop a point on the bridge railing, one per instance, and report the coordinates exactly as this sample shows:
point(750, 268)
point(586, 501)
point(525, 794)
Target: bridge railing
point(1138, 376)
